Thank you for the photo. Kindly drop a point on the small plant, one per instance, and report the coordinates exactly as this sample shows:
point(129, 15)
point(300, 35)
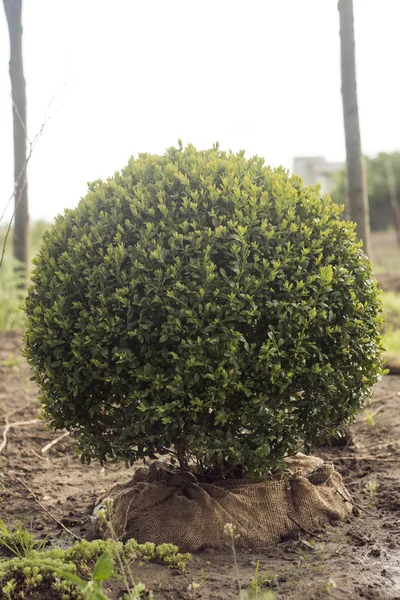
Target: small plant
point(371, 489)
point(330, 585)
point(194, 586)
point(103, 571)
point(92, 589)
point(259, 580)
point(18, 542)
point(369, 418)
point(230, 531)
point(192, 589)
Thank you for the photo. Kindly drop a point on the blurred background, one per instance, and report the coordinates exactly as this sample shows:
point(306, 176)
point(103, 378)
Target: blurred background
point(105, 80)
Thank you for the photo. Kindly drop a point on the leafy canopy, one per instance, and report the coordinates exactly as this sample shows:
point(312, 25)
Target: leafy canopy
point(202, 304)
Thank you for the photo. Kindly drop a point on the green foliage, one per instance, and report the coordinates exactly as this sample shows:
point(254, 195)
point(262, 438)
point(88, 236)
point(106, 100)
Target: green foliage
point(92, 589)
point(19, 575)
point(391, 329)
point(204, 304)
point(18, 542)
point(77, 572)
point(381, 211)
point(11, 315)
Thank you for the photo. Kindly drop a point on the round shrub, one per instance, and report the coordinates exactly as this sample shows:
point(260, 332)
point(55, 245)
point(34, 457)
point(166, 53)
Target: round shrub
point(204, 305)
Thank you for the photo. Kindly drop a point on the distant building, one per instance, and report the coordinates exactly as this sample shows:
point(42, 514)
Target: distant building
point(316, 169)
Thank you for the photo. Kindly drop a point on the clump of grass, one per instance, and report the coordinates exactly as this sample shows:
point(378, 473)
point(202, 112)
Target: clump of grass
point(17, 542)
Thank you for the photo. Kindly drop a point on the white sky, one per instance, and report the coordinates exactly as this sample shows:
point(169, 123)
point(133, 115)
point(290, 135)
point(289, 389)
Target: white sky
point(262, 75)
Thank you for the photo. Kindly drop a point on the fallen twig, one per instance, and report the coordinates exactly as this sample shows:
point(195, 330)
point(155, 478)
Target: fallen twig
point(372, 458)
point(303, 528)
point(17, 410)
point(353, 503)
point(11, 425)
point(46, 510)
point(277, 557)
point(54, 442)
point(383, 398)
point(384, 445)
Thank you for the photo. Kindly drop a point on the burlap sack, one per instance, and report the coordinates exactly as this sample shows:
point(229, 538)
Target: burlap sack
point(158, 506)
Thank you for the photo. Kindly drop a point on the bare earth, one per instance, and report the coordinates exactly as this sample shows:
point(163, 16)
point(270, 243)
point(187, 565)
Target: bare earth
point(361, 557)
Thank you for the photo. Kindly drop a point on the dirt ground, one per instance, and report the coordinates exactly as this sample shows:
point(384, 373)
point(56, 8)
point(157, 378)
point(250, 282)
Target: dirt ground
point(357, 559)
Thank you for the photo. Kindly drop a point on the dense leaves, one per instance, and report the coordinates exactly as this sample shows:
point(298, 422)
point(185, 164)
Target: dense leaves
point(202, 303)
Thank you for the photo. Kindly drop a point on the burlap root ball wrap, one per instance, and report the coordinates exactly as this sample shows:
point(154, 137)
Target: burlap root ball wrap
point(160, 507)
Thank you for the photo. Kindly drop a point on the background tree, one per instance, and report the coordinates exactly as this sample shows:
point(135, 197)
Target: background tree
point(13, 10)
point(383, 201)
point(358, 210)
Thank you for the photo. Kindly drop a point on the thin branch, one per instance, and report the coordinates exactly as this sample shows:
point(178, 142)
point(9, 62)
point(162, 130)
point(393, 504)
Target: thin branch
point(280, 557)
point(353, 503)
point(371, 458)
point(10, 426)
point(54, 442)
point(22, 174)
point(46, 510)
point(17, 410)
point(10, 223)
point(307, 531)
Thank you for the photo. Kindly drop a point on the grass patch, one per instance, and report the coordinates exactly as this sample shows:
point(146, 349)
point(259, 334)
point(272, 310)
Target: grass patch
point(391, 329)
point(11, 298)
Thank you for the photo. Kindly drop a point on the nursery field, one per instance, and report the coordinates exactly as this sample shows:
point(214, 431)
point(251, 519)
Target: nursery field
point(357, 559)
point(44, 486)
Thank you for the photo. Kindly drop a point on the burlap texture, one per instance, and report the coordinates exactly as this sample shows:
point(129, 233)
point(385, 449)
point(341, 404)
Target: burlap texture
point(157, 506)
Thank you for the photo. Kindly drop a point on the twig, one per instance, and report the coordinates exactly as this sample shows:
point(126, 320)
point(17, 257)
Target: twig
point(54, 442)
point(21, 190)
point(17, 410)
point(22, 174)
point(353, 503)
point(46, 510)
point(382, 398)
point(15, 424)
point(384, 445)
point(371, 458)
point(277, 557)
point(303, 528)
point(32, 143)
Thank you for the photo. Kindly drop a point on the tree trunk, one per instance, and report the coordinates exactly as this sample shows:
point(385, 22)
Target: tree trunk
point(356, 173)
point(13, 10)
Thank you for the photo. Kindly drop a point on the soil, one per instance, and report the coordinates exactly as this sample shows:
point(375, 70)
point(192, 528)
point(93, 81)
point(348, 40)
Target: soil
point(357, 559)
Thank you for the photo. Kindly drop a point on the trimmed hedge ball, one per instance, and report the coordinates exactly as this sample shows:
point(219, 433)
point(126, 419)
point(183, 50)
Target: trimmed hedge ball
point(203, 305)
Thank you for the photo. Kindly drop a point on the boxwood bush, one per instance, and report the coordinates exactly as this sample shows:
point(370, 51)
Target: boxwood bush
point(203, 305)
